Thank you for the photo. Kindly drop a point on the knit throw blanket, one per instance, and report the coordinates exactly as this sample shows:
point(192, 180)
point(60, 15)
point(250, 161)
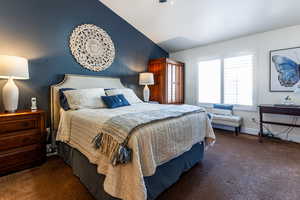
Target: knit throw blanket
point(116, 132)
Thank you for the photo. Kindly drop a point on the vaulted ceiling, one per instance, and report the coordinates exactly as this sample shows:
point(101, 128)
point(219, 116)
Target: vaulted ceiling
point(185, 24)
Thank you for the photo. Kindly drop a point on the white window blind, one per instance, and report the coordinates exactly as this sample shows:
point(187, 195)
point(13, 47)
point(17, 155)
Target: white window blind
point(210, 81)
point(228, 81)
point(238, 76)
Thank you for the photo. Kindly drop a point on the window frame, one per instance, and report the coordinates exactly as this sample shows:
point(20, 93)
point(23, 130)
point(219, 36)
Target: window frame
point(252, 107)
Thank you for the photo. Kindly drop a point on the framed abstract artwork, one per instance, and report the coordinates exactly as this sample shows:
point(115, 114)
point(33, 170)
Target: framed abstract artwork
point(284, 69)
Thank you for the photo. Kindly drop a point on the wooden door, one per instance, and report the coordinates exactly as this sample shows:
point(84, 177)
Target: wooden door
point(179, 84)
point(174, 83)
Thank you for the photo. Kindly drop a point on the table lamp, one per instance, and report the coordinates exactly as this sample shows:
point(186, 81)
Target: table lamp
point(12, 67)
point(146, 79)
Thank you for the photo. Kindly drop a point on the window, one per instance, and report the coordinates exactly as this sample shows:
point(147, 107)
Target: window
point(228, 81)
point(210, 81)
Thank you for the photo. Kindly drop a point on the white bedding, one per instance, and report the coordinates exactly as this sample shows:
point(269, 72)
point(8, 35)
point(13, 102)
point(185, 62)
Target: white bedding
point(152, 145)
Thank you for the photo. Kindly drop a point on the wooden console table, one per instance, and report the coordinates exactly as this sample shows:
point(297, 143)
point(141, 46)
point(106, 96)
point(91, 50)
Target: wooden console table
point(279, 110)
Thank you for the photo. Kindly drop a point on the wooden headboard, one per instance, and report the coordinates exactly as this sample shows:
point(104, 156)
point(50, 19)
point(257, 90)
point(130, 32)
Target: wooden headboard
point(77, 82)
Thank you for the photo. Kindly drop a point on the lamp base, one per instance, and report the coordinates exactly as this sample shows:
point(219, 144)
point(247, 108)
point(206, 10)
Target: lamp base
point(10, 96)
point(146, 93)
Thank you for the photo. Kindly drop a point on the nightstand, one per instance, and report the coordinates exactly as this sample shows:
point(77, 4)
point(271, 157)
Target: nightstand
point(22, 140)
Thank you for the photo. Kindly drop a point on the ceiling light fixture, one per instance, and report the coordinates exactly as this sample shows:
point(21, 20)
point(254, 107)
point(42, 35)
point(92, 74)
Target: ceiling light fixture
point(165, 1)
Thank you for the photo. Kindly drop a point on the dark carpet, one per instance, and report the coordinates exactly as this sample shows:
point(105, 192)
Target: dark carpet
point(236, 168)
point(241, 168)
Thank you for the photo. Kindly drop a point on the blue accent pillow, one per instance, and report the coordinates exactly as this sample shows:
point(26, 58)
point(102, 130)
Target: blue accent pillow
point(223, 106)
point(115, 101)
point(63, 99)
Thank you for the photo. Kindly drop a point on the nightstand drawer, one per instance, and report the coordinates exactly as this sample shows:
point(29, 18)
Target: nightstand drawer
point(22, 140)
point(19, 139)
point(18, 125)
point(20, 158)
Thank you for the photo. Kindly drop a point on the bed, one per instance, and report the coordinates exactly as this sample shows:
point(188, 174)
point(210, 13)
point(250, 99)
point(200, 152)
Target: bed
point(161, 153)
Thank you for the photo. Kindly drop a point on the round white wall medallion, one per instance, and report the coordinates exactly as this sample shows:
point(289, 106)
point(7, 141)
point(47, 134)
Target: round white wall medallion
point(92, 47)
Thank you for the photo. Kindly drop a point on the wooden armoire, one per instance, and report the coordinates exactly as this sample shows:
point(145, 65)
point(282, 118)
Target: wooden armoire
point(168, 85)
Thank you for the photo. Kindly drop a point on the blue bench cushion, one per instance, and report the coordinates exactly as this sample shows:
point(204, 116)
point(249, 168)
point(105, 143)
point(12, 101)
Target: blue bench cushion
point(223, 106)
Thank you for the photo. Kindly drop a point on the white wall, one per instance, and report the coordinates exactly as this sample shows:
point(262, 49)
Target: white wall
point(259, 44)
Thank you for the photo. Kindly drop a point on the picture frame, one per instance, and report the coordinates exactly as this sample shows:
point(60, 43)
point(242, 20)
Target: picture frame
point(284, 69)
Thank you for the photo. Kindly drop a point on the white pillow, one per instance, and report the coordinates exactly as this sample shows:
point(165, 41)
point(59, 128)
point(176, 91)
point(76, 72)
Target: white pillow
point(128, 94)
point(85, 98)
point(221, 111)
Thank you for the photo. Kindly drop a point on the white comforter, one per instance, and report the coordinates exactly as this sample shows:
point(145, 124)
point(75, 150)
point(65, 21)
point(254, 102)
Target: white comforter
point(152, 145)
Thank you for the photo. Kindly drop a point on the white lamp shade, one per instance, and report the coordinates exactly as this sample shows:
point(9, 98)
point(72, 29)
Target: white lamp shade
point(13, 67)
point(146, 78)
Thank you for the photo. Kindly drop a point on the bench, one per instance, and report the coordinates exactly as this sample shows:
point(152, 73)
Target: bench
point(223, 115)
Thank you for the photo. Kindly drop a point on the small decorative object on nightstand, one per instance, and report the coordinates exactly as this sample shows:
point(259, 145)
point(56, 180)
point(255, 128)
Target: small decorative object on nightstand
point(146, 79)
point(33, 104)
point(12, 67)
point(22, 140)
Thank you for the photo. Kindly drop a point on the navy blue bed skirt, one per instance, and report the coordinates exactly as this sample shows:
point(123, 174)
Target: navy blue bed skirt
point(165, 175)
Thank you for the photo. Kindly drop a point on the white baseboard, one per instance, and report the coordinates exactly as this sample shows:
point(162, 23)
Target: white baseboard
point(250, 131)
point(253, 131)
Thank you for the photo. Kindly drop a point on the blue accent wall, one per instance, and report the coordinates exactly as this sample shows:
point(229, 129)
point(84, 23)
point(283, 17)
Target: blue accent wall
point(39, 30)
